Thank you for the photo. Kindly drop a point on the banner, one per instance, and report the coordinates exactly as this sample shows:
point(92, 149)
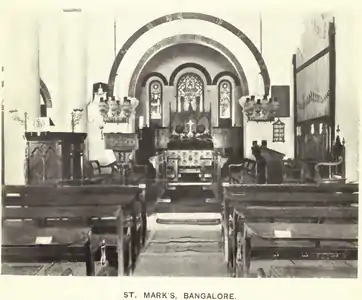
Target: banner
point(313, 90)
point(315, 37)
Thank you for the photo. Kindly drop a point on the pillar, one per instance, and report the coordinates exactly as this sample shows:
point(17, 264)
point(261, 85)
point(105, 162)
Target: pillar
point(72, 69)
point(21, 90)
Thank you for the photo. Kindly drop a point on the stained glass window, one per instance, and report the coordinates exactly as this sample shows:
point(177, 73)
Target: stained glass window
point(278, 132)
point(190, 92)
point(225, 99)
point(155, 89)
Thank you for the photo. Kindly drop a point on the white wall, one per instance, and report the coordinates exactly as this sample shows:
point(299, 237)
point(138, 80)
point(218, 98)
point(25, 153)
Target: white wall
point(21, 90)
point(166, 61)
point(347, 98)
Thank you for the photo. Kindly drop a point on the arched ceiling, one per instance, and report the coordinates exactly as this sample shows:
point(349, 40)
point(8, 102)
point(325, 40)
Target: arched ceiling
point(159, 52)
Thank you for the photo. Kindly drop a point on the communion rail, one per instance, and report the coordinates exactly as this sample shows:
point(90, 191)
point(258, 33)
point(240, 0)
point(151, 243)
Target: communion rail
point(289, 222)
point(107, 211)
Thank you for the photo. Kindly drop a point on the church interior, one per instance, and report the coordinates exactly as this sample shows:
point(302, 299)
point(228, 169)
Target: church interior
point(121, 135)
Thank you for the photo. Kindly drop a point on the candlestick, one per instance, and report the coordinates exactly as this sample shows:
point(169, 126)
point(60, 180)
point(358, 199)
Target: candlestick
point(140, 122)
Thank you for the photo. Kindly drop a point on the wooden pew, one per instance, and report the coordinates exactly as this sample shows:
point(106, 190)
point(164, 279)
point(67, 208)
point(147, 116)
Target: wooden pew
point(100, 195)
point(68, 217)
point(86, 202)
point(21, 244)
point(290, 204)
point(299, 242)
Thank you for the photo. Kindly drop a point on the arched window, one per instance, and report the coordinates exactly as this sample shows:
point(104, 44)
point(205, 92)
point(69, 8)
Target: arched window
point(155, 100)
point(225, 99)
point(190, 93)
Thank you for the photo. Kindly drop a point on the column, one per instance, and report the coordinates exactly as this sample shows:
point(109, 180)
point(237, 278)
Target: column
point(21, 90)
point(73, 68)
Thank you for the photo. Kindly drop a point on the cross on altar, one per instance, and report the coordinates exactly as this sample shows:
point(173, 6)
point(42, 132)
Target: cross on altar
point(190, 123)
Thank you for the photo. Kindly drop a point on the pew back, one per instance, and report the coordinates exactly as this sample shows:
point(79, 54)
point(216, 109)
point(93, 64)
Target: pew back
point(291, 195)
point(70, 195)
point(94, 206)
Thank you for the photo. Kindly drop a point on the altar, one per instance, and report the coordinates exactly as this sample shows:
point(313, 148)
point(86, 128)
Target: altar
point(187, 145)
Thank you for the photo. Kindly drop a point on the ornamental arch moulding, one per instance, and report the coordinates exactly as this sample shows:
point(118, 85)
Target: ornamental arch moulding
point(189, 16)
point(186, 39)
point(190, 65)
point(153, 74)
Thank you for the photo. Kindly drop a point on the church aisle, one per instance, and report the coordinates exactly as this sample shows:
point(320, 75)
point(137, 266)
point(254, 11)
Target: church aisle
point(183, 244)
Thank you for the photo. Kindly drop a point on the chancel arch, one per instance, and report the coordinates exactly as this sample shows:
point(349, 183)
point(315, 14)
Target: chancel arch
point(240, 77)
point(207, 64)
point(183, 115)
point(189, 16)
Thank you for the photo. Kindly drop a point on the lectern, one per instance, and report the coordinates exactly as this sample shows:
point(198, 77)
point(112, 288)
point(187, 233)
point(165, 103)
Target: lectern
point(274, 165)
point(123, 145)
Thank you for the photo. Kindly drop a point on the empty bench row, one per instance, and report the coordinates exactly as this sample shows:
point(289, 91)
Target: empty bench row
point(289, 222)
point(74, 224)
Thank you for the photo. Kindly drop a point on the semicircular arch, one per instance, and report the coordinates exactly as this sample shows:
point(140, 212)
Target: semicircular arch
point(189, 16)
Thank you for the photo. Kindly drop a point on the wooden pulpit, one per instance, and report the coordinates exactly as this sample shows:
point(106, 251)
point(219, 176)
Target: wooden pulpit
point(54, 156)
point(274, 165)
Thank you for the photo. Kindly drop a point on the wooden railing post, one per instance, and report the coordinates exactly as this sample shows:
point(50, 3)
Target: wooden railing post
point(120, 242)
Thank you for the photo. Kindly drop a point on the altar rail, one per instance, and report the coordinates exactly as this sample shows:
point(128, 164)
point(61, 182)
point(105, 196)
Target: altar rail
point(106, 210)
point(289, 222)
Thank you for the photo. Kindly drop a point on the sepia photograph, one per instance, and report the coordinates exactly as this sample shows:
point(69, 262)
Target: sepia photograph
point(178, 140)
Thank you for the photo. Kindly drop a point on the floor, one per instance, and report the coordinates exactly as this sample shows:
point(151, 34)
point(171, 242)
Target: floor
point(185, 249)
